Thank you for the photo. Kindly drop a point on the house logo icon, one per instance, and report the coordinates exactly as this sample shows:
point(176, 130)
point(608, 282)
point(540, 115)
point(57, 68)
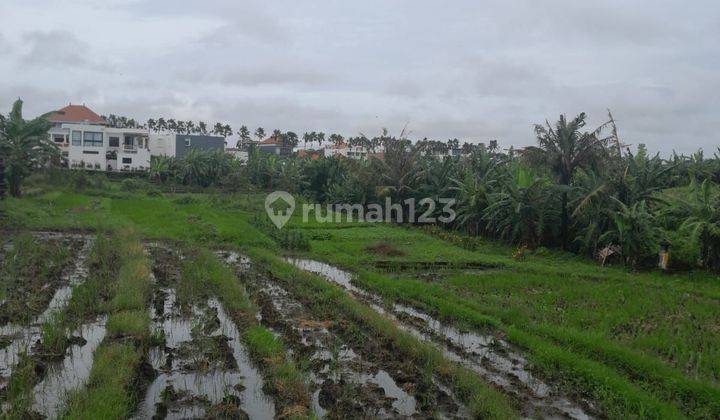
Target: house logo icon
point(279, 206)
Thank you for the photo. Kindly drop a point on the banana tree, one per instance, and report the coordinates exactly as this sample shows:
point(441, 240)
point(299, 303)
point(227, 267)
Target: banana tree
point(25, 146)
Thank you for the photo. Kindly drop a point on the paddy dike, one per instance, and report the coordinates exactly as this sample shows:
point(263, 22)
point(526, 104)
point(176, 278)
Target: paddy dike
point(351, 373)
point(489, 356)
point(202, 369)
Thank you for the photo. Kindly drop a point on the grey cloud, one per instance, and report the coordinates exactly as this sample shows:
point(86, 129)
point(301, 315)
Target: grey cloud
point(57, 49)
point(472, 70)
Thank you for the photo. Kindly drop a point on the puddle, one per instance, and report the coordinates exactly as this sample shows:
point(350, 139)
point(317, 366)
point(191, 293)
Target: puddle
point(491, 358)
point(63, 294)
point(23, 338)
point(403, 402)
point(184, 390)
point(71, 374)
point(344, 383)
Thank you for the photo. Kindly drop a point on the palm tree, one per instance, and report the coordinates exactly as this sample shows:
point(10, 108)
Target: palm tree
point(522, 212)
point(336, 139)
point(172, 125)
point(202, 127)
point(399, 168)
point(635, 230)
point(160, 168)
point(564, 149)
point(25, 146)
point(243, 136)
point(260, 133)
point(474, 188)
point(226, 130)
point(308, 138)
point(194, 168)
point(161, 124)
point(702, 222)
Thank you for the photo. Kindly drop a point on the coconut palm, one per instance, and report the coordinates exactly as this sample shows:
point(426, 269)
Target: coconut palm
point(260, 133)
point(25, 146)
point(563, 149)
point(243, 136)
point(523, 211)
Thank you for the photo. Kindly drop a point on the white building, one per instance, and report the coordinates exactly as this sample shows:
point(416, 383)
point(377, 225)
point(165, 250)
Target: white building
point(239, 154)
point(87, 142)
point(345, 150)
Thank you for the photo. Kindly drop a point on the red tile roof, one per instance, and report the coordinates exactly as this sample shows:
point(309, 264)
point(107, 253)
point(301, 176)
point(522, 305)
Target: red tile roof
point(269, 140)
point(76, 113)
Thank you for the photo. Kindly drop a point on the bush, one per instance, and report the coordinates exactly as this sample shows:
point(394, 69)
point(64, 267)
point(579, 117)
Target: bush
point(132, 184)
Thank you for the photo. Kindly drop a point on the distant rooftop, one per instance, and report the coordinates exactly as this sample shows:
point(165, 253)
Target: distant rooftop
point(76, 114)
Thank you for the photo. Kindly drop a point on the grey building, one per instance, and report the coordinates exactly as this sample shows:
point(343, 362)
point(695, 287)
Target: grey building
point(186, 142)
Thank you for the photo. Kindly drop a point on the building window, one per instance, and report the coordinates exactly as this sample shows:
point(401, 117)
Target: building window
point(58, 138)
point(127, 160)
point(187, 142)
point(76, 138)
point(92, 139)
point(91, 152)
point(114, 141)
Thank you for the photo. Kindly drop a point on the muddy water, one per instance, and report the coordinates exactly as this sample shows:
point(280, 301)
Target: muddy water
point(183, 391)
point(70, 374)
point(346, 382)
point(23, 337)
point(490, 357)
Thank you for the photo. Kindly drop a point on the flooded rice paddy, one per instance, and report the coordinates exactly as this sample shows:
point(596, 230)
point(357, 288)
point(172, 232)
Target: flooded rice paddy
point(199, 367)
point(489, 356)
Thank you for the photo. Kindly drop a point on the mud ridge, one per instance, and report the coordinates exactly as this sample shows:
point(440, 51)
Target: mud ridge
point(352, 373)
point(489, 356)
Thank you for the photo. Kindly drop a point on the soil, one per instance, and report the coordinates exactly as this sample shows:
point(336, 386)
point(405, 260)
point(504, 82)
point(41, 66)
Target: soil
point(386, 249)
point(354, 374)
point(29, 295)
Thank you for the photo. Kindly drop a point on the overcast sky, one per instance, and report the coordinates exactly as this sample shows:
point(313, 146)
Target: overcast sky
point(475, 70)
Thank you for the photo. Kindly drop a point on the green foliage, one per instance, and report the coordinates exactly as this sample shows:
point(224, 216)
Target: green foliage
point(700, 215)
point(287, 237)
point(25, 146)
point(636, 231)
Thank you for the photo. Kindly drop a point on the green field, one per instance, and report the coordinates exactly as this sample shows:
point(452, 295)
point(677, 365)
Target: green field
point(631, 344)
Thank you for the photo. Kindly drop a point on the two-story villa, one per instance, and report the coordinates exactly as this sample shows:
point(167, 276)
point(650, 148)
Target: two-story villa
point(86, 141)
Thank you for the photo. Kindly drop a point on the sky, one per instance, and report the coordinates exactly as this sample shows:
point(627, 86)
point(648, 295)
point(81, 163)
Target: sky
point(472, 70)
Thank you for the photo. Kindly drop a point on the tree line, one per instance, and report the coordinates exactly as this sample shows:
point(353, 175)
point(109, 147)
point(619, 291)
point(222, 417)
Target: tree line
point(577, 189)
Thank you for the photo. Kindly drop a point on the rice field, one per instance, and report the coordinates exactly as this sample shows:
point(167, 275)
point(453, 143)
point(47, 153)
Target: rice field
point(124, 305)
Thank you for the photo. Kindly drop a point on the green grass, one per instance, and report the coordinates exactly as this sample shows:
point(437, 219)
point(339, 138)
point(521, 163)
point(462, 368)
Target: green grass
point(204, 276)
point(641, 344)
point(25, 273)
point(111, 391)
point(108, 393)
point(133, 324)
point(334, 303)
point(19, 390)
point(633, 341)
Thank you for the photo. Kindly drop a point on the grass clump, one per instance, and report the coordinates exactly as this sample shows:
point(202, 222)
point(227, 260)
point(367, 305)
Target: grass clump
point(25, 274)
point(334, 303)
point(109, 394)
point(204, 276)
point(133, 324)
point(19, 390)
point(112, 389)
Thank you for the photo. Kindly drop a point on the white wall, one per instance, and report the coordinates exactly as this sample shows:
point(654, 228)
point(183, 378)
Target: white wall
point(95, 157)
point(162, 144)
